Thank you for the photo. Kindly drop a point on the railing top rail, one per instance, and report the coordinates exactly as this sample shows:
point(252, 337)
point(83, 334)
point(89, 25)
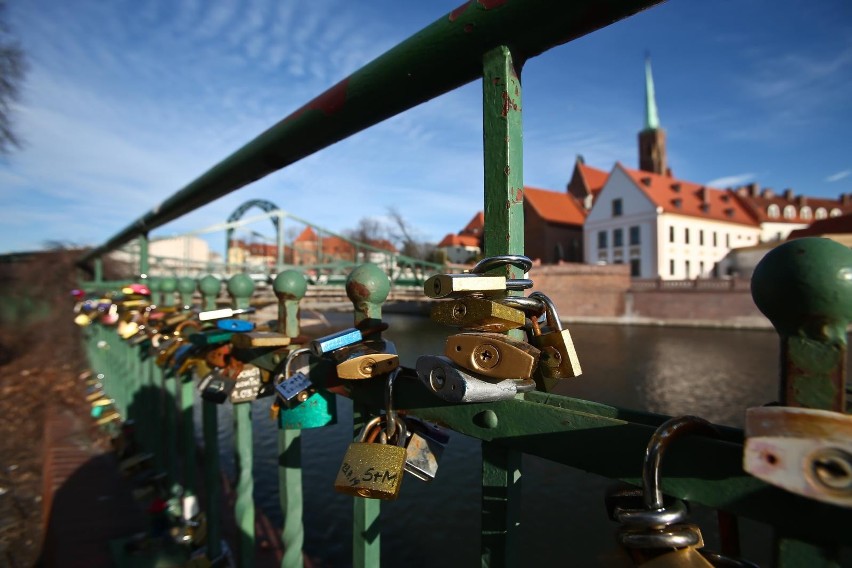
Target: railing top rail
point(436, 60)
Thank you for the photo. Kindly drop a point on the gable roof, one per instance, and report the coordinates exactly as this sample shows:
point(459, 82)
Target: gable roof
point(307, 235)
point(459, 240)
point(475, 226)
point(594, 178)
point(759, 205)
point(829, 226)
point(691, 199)
point(554, 207)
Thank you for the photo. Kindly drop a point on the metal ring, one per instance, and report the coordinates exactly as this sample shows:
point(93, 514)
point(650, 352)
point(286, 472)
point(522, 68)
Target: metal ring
point(492, 262)
point(549, 309)
point(519, 284)
point(656, 519)
point(672, 537)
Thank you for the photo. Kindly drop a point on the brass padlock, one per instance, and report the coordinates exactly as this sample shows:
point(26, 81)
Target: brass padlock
point(373, 469)
point(477, 314)
point(492, 355)
point(558, 357)
point(366, 360)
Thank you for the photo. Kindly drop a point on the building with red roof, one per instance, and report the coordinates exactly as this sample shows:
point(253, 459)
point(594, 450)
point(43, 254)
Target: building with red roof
point(586, 182)
point(553, 226)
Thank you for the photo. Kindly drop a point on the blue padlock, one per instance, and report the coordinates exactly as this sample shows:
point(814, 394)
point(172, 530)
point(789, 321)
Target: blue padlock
point(235, 325)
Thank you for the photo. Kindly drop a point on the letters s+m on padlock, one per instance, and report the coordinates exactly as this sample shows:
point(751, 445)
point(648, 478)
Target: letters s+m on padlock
point(371, 468)
point(558, 358)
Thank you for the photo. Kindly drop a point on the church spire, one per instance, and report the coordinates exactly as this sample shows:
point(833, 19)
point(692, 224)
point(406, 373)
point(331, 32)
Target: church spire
point(652, 119)
point(652, 138)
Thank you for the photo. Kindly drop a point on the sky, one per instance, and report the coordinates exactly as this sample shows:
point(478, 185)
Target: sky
point(127, 101)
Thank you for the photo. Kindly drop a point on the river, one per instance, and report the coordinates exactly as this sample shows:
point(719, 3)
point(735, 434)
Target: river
point(712, 373)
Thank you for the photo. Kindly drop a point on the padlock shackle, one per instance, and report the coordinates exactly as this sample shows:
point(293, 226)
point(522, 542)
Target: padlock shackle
point(292, 357)
point(390, 423)
point(529, 305)
point(550, 311)
point(376, 421)
point(657, 445)
point(492, 262)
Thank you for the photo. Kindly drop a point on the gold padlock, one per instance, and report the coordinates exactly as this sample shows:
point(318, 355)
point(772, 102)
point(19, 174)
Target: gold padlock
point(477, 314)
point(493, 355)
point(366, 360)
point(163, 355)
point(372, 469)
point(254, 339)
point(688, 557)
point(558, 357)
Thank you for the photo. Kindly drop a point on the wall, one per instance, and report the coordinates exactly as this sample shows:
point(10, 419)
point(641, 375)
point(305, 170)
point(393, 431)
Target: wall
point(542, 240)
point(584, 290)
point(719, 301)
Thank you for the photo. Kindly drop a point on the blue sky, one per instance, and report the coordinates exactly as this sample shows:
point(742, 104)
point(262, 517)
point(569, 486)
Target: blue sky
point(129, 100)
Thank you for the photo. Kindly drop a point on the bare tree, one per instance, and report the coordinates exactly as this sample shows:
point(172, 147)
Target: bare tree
point(13, 67)
point(368, 231)
point(405, 236)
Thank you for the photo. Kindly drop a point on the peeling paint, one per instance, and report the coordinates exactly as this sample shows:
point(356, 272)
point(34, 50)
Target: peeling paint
point(454, 15)
point(328, 103)
point(508, 103)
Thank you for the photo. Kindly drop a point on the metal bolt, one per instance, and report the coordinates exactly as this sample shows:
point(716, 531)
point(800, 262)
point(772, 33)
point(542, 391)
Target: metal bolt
point(459, 310)
point(832, 468)
point(367, 365)
point(486, 356)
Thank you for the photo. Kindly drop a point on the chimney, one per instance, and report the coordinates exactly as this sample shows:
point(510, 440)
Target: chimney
point(742, 191)
point(768, 193)
point(801, 200)
point(753, 189)
point(846, 199)
point(788, 194)
point(705, 197)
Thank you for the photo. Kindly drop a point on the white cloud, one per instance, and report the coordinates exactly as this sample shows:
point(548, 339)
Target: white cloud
point(838, 176)
point(732, 181)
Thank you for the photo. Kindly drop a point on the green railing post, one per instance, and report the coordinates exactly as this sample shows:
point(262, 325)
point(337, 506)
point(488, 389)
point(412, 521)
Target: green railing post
point(157, 429)
point(367, 287)
point(168, 285)
point(290, 287)
point(143, 255)
point(209, 286)
point(186, 286)
point(99, 270)
point(241, 287)
point(503, 234)
point(804, 287)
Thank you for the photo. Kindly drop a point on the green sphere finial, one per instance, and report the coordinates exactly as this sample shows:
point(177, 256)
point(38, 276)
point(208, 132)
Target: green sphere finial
point(806, 284)
point(290, 285)
point(186, 285)
point(209, 286)
point(240, 287)
point(168, 284)
point(153, 283)
point(367, 286)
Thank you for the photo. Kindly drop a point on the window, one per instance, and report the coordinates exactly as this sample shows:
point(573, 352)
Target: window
point(728, 240)
point(700, 268)
point(671, 268)
point(671, 234)
point(618, 238)
point(686, 265)
point(686, 235)
point(602, 239)
point(789, 211)
point(805, 212)
point(616, 207)
point(714, 239)
point(773, 211)
point(834, 212)
point(701, 238)
point(821, 213)
point(635, 268)
point(634, 235)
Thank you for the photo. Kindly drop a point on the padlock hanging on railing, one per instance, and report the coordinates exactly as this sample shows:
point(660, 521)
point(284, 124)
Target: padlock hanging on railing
point(452, 384)
point(475, 282)
point(558, 359)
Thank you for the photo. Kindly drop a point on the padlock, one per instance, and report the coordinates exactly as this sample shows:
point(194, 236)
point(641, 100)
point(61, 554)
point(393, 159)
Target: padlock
point(492, 355)
point(180, 354)
point(335, 341)
point(366, 360)
point(373, 469)
point(248, 383)
point(235, 325)
point(656, 534)
point(165, 353)
point(452, 384)
point(223, 313)
point(211, 337)
point(215, 387)
point(477, 314)
point(423, 447)
point(256, 339)
point(293, 388)
point(558, 357)
point(219, 356)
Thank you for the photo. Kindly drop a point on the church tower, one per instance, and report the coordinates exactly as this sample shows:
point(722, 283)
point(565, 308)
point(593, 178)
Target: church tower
point(652, 138)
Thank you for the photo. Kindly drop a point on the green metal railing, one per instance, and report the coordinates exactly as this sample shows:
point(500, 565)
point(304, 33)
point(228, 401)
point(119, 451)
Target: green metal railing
point(490, 40)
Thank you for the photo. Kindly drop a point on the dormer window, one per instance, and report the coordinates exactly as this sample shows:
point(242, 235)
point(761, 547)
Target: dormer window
point(789, 212)
point(677, 202)
point(821, 213)
point(646, 181)
point(773, 211)
point(729, 211)
point(834, 212)
point(676, 187)
point(805, 212)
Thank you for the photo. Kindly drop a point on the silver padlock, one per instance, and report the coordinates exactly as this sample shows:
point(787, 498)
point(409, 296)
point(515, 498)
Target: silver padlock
point(294, 388)
point(423, 448)
point(452, 384)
